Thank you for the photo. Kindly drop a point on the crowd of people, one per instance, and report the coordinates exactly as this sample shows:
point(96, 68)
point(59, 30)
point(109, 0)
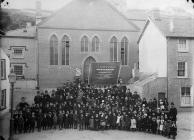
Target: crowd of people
point(79, 106)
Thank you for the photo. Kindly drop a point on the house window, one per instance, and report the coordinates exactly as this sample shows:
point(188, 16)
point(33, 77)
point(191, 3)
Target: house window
point(95, 44)
point(54, 50)
point(3, 69)
point(18, 52)
point(113, 49)
point(65, 50)
point(18, 70)
point(3, 99)
point(182, 69)
point(84, 44)
point(183, 45)
point(186, 96)
point(124, 50)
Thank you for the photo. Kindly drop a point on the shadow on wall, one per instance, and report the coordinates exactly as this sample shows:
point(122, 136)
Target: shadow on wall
point(26, 84)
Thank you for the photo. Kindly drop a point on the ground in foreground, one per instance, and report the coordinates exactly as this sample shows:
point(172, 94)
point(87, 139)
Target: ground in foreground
point(71, 134)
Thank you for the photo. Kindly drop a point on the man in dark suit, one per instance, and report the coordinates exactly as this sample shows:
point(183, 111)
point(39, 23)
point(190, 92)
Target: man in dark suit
point(173, 112)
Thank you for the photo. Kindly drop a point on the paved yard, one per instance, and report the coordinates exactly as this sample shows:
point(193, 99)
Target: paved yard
point(185, 125)
point(185, 132)
point(97, 135)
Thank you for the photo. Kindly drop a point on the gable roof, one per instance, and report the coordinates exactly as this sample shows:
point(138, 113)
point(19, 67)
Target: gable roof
point(89, 14)
point(29, 32)
point(182, 26)
point(143, 30)
point(137, 14)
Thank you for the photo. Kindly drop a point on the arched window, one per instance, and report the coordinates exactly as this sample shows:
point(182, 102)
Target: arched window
point(124, 50)
point(84, 44)
point(53, 50)
point(65, 50)
point(113, 49)
point(95, 44)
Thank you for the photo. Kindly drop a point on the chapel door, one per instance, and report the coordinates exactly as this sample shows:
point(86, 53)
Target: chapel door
point(87, 63)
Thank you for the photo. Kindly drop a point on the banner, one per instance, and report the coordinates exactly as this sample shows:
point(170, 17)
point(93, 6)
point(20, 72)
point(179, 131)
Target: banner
point(104, 73)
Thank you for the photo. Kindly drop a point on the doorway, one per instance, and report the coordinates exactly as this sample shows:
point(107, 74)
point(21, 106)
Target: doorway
point(86, 71)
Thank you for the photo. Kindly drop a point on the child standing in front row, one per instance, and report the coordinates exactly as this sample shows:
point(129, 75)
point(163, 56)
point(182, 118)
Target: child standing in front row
point(162, 125)
point(158, 124)
point(173, 130)
point(133, 124)
point(91, 122)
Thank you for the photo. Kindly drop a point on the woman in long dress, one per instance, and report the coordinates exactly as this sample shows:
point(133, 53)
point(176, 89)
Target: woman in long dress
point(133, 124)
point(91, 122)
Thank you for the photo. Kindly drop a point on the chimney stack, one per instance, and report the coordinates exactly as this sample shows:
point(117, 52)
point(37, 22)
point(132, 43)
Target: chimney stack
point(28, 24)
point(171, 26)
point(38, 12)
point(155, 14)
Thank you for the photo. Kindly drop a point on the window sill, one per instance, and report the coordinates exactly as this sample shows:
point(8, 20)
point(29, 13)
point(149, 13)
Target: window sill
point(53, 66)
point(182, 77)
point(20, 77)
point(17, 57)
point(57, 66)
point(4, 79)
point(2, 108)
point(186, 106)
point(183, 51)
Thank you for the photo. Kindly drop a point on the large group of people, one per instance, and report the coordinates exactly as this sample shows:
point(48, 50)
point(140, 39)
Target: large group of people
point(80, 106)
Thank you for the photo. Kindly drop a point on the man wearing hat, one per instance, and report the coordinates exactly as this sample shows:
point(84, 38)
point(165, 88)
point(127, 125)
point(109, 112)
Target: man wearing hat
point(23, 104)
point(37, 98)
point(173, 112)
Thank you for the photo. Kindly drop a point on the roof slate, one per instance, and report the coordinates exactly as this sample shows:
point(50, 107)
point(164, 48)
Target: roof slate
point(24, 32)
point(175, 26)
point(137, 14)
point(89, 14)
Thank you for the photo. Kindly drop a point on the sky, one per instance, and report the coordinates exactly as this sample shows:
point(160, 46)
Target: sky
point(131, 4)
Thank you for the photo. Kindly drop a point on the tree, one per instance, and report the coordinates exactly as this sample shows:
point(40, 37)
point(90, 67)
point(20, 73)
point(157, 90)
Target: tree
point(191, 1)
point(4, 18)
point(4, 2)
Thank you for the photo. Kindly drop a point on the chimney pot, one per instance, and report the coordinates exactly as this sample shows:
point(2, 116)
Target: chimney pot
point(38, 12)
point(171, 26)
point(28, 24)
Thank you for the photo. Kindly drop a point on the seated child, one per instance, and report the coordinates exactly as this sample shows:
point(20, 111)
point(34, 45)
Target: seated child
point(173, 130)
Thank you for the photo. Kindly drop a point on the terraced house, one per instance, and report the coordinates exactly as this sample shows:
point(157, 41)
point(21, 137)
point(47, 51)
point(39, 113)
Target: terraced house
point(166, 48)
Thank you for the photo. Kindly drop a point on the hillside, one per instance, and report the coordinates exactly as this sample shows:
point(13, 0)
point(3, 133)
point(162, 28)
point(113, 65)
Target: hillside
point(12, 19)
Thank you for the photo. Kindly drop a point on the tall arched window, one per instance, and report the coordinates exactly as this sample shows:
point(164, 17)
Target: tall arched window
point(113, 49)
point(53, 50)
point(95, 44)
point(84, 44)
point(65, 50)
point(124, 50)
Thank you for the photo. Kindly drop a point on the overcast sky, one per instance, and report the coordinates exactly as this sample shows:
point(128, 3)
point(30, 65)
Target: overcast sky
point(132, 4)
